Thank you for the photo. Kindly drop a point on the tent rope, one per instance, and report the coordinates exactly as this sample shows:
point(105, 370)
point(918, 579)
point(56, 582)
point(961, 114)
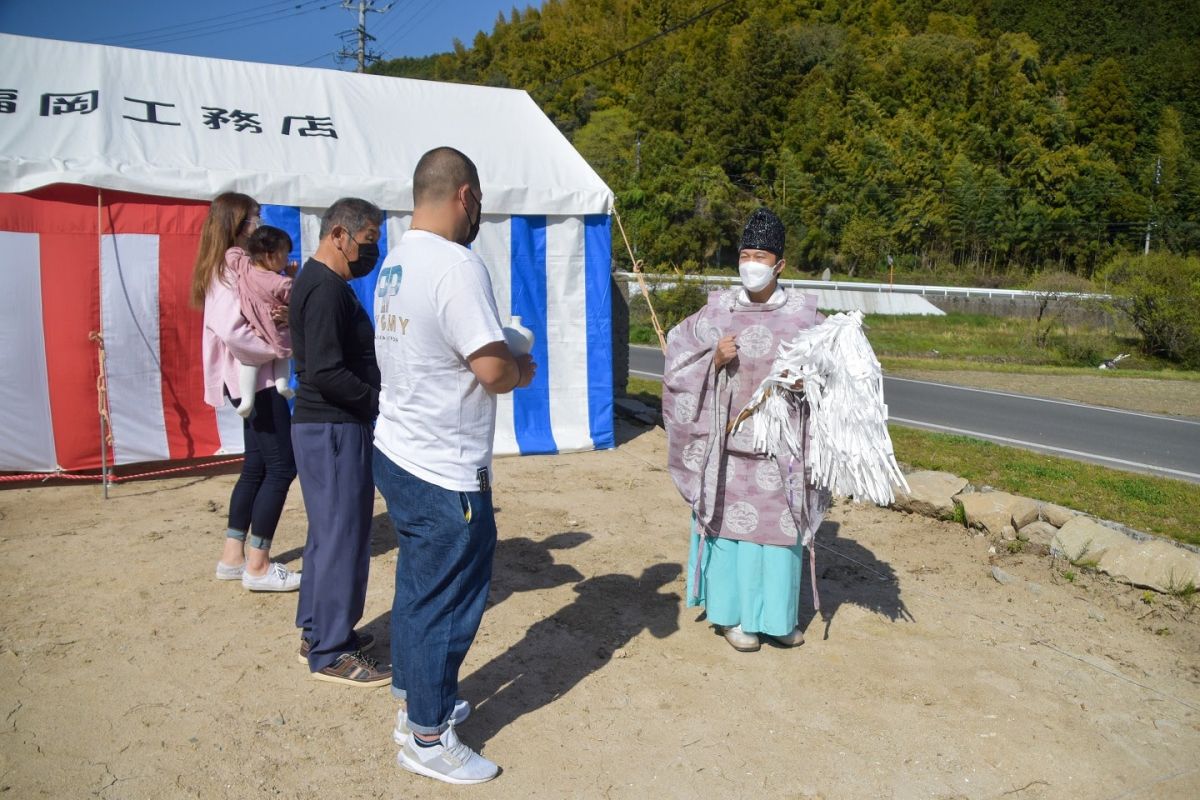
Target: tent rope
point(102, 392)
point(639, 272)
point(67, 476)
point(97, 337)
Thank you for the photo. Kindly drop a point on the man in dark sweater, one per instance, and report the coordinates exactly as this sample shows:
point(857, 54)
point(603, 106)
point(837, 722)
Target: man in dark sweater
point(333, 345)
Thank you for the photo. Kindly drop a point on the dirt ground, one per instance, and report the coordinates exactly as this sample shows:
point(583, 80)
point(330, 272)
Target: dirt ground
point(1179, 398)
point(126, 671)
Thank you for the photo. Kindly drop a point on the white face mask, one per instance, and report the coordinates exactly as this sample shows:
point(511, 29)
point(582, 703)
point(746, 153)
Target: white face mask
point(756, 276)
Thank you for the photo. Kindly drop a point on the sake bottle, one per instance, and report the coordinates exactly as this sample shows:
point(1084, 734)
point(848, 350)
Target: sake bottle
point(518, 337)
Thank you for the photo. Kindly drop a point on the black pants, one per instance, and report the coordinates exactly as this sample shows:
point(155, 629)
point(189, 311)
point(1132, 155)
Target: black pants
point(268, 471)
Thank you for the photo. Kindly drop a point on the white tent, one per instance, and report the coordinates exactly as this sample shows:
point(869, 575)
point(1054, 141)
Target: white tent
point(107, 156)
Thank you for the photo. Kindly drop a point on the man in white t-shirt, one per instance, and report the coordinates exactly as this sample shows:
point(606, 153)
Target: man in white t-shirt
point(442, 360)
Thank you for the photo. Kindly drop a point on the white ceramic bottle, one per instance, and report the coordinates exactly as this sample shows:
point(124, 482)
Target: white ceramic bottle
point(518, 337)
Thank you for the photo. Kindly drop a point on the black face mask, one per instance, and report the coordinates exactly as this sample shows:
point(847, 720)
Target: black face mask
point(473, 231)
point(368, 256)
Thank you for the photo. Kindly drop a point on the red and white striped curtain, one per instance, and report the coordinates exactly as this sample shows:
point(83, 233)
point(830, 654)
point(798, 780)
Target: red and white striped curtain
point(76, 261)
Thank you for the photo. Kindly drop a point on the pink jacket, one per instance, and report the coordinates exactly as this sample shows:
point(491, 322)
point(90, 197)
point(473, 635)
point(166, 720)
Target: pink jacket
point(228, 339)
point(261, 292)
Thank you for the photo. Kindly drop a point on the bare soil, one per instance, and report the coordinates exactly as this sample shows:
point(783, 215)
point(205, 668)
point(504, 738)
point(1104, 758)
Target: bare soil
point(126, 671)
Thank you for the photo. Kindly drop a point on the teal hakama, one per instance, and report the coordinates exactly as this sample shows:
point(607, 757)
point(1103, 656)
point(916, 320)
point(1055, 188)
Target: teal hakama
point(754, 585)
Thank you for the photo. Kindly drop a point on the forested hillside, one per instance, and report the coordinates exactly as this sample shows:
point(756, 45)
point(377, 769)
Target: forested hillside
point(957, 136)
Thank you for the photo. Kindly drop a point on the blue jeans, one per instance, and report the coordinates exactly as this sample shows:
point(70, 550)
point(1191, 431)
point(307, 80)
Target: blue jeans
point(268, 470)
point(446, 541)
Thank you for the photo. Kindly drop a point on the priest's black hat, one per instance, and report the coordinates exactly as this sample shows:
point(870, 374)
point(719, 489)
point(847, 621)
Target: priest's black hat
point(763, 231)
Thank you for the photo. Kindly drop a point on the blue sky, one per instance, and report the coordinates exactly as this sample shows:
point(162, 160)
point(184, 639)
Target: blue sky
point(295, 32)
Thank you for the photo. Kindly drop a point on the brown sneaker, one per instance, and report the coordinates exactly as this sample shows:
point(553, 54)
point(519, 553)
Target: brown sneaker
point(365, 642)
point(355, 669)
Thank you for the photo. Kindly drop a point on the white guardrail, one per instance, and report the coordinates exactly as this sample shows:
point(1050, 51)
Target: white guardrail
point(664, 280)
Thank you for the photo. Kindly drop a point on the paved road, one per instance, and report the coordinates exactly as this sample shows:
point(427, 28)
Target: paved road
point(1150, 443)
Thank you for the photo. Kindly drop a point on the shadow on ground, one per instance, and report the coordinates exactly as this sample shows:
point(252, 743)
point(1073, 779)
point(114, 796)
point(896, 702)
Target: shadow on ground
point(847, 572)
point(576, 640)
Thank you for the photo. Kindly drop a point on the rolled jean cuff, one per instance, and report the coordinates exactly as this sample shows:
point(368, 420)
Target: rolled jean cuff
point(398, 693)
point(259, 543)
point(427, 731)
point(234, 533)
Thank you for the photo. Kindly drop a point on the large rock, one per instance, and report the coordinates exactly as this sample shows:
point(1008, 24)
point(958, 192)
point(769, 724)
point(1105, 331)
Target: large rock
point(930, 493)
point(991, 511)
point(1083, 539)
point(1153, 565)
point(1057, 515)
point(1038, 532)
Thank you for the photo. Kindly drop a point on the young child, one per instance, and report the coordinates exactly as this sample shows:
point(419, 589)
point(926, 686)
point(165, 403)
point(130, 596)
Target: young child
point(264, 284)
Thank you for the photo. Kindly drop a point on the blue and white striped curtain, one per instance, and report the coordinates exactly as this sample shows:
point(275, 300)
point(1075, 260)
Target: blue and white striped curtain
point(554, 273)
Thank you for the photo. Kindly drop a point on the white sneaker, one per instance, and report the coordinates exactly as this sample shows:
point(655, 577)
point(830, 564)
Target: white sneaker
point(740, 640)
point(462, 710)
point(277, 578)
point(449, 760)
point(228, 573)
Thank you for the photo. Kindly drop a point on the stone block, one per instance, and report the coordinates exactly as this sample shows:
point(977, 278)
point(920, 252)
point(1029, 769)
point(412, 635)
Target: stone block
point(1038, 532)
point(1155, 565)
point(1057, 515)
point(930, 494)
point(991, 511)
point(1083, 539)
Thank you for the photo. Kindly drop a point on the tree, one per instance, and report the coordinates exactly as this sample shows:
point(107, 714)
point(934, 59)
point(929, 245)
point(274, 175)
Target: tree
point(1160, 294)
point(1106, 112)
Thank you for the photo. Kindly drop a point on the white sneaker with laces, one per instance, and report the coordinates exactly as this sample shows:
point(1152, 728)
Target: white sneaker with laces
point(462, 710)
point(225, 572)
point(277, 578)
point(449, 760)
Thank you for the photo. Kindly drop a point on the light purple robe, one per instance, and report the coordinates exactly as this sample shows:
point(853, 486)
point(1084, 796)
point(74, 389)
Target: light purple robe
point(735, 492)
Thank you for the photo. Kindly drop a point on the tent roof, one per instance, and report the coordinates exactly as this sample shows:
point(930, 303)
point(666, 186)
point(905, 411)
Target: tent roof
point(182, 126)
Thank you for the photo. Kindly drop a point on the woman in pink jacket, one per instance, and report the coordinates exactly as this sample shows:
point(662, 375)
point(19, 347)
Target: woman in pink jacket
point(269, 466)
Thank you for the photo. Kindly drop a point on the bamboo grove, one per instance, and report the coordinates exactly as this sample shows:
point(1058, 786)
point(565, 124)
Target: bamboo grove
point(955, 136)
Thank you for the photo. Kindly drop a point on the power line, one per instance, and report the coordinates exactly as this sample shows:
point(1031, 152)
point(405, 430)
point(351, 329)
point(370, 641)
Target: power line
point(404, 30)
point(225, 17)
point(388, 27)
point(318, 58)
point(219, 28)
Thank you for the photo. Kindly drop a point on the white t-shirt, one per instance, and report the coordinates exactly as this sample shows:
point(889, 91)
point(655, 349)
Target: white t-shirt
point(434, 306)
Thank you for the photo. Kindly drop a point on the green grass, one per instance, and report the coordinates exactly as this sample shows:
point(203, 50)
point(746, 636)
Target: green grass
point(938, 364)
point(646, 391)
point(978, 339)
point(1155, 505)
point(642, 334)
point(959, 341)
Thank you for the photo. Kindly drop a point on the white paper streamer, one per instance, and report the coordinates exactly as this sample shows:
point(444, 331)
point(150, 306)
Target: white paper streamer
point(849, 447)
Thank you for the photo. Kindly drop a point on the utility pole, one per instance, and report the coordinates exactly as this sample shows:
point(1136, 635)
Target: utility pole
point(360, 54)
point(1150, 222)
